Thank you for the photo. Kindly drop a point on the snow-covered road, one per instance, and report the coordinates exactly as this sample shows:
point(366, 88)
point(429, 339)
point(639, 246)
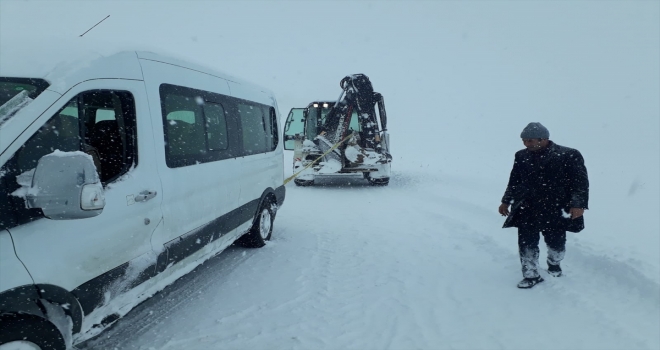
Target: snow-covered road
point(420, 264)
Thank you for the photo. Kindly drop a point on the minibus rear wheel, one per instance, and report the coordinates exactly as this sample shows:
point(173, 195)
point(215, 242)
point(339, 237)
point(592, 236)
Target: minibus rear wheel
point(29, 332)
point(262, 227)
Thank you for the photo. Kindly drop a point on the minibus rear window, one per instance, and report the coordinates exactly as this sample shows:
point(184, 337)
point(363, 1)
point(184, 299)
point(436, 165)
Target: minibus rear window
point(10, 87)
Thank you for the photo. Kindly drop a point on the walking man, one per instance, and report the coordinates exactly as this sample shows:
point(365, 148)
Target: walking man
point(548, 192)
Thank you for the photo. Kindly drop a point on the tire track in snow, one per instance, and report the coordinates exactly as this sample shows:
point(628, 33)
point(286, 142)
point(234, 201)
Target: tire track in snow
point(344, 259)
point(167, 302)
point(343, 272)
point(350, 278)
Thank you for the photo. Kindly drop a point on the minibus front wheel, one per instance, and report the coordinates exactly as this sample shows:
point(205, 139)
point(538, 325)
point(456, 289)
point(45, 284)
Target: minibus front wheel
point(22, 331)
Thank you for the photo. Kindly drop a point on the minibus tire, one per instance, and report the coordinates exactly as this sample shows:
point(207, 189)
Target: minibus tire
point(254, 238)
point(33, 329)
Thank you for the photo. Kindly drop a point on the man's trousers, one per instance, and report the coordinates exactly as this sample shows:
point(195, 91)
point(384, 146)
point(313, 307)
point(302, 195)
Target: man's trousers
point(528, 246)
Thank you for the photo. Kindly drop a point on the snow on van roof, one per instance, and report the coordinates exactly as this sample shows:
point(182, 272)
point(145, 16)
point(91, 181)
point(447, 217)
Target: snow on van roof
point(63, 62)
point(37, 58)
point(179, 61)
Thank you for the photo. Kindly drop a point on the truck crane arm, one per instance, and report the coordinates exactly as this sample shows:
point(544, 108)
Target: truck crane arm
point(357, 94)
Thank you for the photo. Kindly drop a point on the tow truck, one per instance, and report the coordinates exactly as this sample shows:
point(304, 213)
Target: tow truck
point(342, 137)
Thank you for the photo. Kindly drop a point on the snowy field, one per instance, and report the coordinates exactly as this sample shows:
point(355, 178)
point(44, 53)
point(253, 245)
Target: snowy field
point(422, 263)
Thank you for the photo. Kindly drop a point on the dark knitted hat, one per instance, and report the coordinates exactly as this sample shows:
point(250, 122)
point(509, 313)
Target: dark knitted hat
point(535, 131)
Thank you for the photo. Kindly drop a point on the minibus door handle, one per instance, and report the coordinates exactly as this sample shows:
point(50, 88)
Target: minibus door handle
point(145, 196)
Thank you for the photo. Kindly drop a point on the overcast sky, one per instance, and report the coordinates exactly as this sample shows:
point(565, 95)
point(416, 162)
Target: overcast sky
point(460, 78)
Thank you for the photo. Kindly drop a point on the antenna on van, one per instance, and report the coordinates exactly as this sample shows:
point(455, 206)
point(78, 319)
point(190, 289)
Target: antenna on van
point(94, 26)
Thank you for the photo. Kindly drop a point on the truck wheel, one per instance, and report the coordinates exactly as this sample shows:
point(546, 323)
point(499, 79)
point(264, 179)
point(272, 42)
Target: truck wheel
point(261, 229)
point(303, 182)
point(383, 181)
point(29, 332)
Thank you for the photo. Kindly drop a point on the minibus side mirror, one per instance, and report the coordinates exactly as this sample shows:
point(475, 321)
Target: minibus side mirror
point(66, 185)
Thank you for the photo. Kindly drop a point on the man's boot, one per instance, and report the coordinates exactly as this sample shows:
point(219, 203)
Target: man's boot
point(529, 282)
point(554, 270)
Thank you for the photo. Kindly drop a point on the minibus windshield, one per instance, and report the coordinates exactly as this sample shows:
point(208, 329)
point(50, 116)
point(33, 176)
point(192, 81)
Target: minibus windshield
point(16, 93)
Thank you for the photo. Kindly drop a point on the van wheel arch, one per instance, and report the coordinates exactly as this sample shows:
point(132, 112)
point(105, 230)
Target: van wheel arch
point(253, 238)
point(61, 296)
point(25, 300)
point(268, 196)
point(27, 327)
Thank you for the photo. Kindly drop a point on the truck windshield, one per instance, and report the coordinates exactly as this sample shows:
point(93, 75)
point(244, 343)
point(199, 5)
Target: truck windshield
point(16, 93)
point(316, 119)
point(311, 123)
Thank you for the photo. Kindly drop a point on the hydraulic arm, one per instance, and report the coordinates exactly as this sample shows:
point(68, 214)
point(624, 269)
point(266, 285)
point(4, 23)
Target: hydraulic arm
point(357, 94)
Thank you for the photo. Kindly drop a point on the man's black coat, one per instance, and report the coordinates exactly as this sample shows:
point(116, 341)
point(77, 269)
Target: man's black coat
point(544, 185)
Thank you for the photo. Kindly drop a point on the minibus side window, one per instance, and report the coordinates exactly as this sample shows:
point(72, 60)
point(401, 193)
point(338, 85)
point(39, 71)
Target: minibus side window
point(200, 126)
point(109, 131)
point(83, 124)
point(216, 126)
point(184, 126)
point(254, 129)
point(272, 133)
point(60, 132)
point(197, 126)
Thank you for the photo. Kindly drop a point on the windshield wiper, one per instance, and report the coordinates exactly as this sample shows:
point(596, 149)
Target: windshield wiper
point(11, 107)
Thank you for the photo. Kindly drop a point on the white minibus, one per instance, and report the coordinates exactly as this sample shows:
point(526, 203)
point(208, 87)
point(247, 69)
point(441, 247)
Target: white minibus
point(118, 175)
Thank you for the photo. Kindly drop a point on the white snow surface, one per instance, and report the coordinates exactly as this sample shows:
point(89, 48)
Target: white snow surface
point(25, 180)
point(331, 166)
point(363, 156)
point(430, 269)
point(423, 262)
